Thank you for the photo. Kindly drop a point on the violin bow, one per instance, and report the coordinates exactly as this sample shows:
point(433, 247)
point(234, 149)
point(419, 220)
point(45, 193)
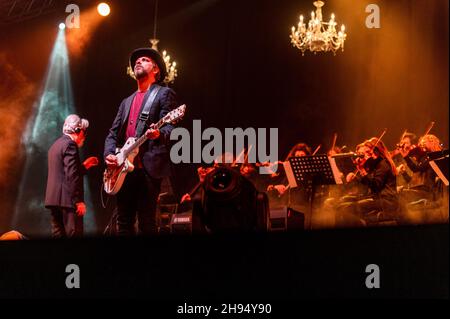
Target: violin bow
point(379, 138)
point(403, 135)
point(429, 129)
point(240, 155)
point(333, 145)
point(373, 147)
point(430, 126)
point(317, 148)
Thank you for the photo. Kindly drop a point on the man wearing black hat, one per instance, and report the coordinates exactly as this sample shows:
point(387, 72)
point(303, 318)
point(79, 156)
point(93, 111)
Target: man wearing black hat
point(152, 101)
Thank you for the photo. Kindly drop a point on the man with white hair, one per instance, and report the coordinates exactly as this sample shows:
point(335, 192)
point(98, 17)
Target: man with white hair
point(65, 194)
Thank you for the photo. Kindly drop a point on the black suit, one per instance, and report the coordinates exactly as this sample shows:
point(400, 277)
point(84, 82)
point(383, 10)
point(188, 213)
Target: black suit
point(153, 153)
point(141, 188)
point(64, 187)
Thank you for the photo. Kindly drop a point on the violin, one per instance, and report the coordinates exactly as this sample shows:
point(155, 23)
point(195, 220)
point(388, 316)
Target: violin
point(271, 166)
point(417, 152)
point(401, 148)
point(361, 163)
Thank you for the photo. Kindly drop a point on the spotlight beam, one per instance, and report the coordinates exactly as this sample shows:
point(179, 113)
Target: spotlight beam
point(43, 128)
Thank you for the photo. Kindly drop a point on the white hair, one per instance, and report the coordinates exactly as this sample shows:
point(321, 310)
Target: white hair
point(74, 123)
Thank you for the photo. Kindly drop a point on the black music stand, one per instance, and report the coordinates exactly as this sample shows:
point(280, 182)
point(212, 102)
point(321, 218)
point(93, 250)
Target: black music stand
point(345, 162)
point(310, 172)
point(440, 165)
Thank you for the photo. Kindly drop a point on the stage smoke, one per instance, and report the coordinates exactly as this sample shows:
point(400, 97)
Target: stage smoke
point(43, 128)
point(16, 92)
point(78, 38)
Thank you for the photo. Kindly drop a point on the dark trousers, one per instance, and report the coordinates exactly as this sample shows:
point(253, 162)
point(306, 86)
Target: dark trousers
point(138, 196)
point(66, 223)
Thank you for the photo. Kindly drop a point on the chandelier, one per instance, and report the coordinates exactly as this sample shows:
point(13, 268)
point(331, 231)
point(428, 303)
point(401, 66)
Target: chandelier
point(170, 65)
point(318, 35)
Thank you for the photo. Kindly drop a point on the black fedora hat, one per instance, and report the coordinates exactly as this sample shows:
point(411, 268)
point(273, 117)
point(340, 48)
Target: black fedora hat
point(154, 55)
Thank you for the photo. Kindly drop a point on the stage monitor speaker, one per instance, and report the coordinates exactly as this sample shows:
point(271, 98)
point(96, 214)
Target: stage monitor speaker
point(285, 218)
point(295, 220)
point(181, 223)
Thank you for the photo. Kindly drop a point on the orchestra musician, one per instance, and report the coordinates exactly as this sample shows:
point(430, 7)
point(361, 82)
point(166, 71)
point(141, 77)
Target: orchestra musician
point(424, 183)
point(279, 192)
point(377, 171)
point(404, 173)
point(342, 196)
point(278, 187)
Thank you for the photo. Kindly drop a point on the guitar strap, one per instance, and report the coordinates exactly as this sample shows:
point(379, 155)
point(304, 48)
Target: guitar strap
point(143, 117)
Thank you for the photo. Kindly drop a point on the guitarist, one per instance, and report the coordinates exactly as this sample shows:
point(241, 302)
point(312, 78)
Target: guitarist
point(140, 190)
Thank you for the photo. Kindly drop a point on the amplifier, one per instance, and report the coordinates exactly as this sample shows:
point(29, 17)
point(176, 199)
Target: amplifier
point(181, 223)
point(285, 218)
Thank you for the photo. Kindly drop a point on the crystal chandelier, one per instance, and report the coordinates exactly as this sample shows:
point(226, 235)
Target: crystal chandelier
point(170, 65)
point(318, 35)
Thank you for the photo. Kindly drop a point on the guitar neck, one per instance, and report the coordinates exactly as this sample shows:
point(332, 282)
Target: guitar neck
point(171, 117)
point(143, 138)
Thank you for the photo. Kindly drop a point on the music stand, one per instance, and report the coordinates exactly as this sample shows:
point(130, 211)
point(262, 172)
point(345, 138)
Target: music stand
point(345, 162)
point(311, 171)
point(439, 164)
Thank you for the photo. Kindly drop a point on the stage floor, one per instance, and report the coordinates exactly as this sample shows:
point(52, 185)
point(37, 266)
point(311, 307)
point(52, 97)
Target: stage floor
point(412, 262)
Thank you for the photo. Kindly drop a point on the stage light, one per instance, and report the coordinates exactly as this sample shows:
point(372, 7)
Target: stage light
point(44, 126)
point(103, 9)
point(12, 235)
point(230, 203)
point(62, 26)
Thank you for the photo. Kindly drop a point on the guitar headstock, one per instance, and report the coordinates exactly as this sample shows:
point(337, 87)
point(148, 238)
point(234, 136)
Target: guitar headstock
point(175, 115)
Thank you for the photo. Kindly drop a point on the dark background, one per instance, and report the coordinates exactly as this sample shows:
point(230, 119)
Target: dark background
point(237, 68)
point(287, 267)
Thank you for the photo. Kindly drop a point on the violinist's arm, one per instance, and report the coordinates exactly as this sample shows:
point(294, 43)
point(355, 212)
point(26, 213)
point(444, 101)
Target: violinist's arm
point(416, 166)
point(377, 179)
point(401, 170)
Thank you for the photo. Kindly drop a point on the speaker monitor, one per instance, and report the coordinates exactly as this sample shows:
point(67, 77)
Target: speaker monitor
point(285, 218)
point(181, 223)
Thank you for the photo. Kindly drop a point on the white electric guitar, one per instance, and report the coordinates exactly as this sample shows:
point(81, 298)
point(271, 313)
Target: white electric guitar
point(113, 178)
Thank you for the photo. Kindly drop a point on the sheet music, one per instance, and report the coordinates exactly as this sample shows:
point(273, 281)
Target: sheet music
point(438, 172)
point(336, 172)
point(290, 174)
